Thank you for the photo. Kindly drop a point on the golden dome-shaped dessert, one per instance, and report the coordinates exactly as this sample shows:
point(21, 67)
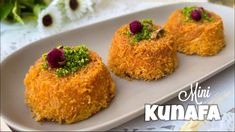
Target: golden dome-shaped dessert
point(142, 50)
point(68, 85)
point(196, 31)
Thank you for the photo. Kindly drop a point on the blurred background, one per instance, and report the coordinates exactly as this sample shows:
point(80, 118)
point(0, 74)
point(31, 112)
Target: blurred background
point(25, 21)
point(223, 2)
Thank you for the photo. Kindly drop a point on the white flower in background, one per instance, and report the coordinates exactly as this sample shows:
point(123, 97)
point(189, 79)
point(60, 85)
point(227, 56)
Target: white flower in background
point(50, 19)
point(89, 5)
point(75, 9)
point(60, 5)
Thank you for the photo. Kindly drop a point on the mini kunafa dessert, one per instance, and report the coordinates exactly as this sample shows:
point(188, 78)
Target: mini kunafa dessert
point(196, 31)
point(142, 50)
point(68, 84)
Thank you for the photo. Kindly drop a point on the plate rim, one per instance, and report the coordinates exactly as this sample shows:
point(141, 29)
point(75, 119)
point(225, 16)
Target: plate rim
point(104, 20)
point(132, 114)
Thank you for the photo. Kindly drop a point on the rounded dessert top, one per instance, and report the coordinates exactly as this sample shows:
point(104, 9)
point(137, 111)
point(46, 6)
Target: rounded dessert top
point(194, 13)
point(143, 30)
point(66, 60)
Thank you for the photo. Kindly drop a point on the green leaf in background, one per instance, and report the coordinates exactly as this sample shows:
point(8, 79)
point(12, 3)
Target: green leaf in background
point(21, 10)
point(46, 2)
point(37, 9)
point(28, 3)
point(15, 12)
point(5, 8)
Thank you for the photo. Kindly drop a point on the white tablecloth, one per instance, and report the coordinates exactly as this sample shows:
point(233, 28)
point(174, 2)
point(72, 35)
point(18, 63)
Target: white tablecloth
point(15, 36)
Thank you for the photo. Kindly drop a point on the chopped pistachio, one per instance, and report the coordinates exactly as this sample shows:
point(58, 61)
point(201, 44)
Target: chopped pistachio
point(204, 14)
point(44, 65)
point(75, 59)
point(145, 34)
point(44, 56)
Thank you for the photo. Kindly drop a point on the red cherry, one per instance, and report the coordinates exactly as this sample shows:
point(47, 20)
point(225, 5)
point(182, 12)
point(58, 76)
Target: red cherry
point(56, 58)
point(135, 27)
point(196, 15)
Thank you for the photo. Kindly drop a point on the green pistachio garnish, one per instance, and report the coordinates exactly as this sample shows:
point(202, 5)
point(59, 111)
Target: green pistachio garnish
point(147, 28)
point(196, 14)
point(187, 11)
point(207, 16)
point(73, 59)
point(44, 65)
point(44, 56)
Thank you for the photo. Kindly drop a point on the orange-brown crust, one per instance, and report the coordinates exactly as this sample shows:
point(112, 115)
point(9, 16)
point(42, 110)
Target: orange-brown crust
point(148, 59)
point(71, 98)
point(202, 38)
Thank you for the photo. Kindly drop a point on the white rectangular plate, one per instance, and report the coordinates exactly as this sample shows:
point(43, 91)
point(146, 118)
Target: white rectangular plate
point(130, 95)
